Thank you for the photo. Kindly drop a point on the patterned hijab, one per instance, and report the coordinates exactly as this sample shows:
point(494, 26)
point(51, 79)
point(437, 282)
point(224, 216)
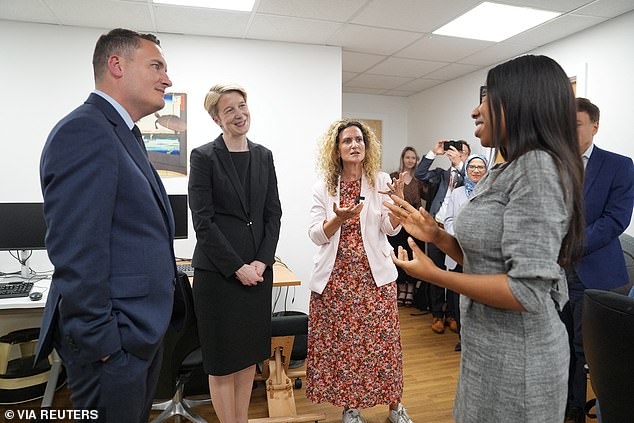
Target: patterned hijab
point(469, 185)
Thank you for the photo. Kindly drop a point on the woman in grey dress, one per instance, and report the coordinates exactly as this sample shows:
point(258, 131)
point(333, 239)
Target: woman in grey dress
point(522, 224)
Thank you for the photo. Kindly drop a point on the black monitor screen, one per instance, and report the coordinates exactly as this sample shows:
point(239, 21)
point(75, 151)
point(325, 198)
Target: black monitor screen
point(180, 210)
point(22, 226)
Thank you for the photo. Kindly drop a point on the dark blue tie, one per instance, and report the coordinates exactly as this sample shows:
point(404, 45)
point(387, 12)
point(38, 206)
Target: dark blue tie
point(137, 134)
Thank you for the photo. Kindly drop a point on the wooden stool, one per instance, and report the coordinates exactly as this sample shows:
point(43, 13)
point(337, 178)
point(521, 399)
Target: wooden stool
point(279, 387)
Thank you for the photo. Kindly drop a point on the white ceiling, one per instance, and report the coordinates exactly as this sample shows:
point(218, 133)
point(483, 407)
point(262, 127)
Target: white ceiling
point(387, 45)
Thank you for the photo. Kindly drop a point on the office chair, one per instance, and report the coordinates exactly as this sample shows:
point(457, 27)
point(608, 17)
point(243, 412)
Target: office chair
point(182, 356)
point(608, 340)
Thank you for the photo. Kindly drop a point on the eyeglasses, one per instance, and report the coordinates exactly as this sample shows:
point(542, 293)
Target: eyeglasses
point(483, 92)
point(478, 168)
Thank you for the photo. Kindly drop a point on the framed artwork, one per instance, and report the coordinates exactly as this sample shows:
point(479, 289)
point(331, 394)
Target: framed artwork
point(165, 136)
point(375, 125)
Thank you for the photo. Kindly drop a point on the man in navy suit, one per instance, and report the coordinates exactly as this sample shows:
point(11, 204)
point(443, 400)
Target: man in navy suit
point(445, 180)
point(110, 232)
point(609, 198)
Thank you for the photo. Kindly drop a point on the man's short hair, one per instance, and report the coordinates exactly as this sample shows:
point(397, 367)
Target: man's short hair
point(467, 145)
point(118, 41)
point(585, 105)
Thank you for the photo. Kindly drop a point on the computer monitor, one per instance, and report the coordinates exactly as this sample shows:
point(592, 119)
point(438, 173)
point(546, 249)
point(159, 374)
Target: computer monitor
point(181, 211)
point(22, 226)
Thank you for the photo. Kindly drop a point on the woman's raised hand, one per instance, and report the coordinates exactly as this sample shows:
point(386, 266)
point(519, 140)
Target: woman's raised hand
point(397, 186)
point(419, 266)
point(417, 223)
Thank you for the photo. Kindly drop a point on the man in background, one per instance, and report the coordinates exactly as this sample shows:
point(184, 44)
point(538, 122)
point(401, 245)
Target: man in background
point(445, 180)
point(110, 232)
point(609, 198)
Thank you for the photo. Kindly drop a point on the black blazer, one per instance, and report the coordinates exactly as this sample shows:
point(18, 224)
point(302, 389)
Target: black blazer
point(224, 221)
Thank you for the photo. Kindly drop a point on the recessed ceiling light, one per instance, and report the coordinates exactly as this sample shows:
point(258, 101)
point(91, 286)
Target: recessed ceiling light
point(239, 5)
point(495, 22)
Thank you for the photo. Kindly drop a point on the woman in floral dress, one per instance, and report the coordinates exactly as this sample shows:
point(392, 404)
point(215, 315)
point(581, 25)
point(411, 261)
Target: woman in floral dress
point(354, 346)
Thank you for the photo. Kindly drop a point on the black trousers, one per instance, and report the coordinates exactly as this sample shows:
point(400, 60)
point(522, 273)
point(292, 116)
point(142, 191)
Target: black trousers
point(453, 299)
point(439, 296)
point(571, 317)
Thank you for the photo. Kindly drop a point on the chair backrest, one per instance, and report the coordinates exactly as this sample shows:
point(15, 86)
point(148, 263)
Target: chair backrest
point(294, 323)
point(608, 340)
point(177, 345)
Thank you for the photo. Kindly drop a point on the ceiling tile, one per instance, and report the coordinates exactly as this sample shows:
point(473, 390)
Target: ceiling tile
point(334, 10)
point(405, 67)
point(377, 81)
point(440, 48)
point(103, 14)
point(26, 10)
point(420, 84)
point(366, 39)
point(199, 21)
point(359, 62)
point(452, 71)
point(495, 54)
point(606, 8)
point(357, 90)
point(399, 93)
point(297, 30)
point(347, 76)
point(412, 15)
point(555, 29)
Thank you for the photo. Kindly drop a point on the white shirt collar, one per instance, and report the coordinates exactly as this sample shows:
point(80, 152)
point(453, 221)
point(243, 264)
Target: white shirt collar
point(118, 107)
point(588, 152)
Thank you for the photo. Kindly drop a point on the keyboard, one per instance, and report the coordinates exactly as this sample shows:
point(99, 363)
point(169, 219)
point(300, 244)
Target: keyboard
point(15, 289)
point(186, 269)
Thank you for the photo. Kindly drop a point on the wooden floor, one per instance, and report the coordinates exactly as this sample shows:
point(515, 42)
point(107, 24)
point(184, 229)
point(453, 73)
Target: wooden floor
point(430, 372)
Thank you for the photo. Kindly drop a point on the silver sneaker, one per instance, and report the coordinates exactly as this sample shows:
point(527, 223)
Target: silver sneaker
point(352, 415)
point(400, 415)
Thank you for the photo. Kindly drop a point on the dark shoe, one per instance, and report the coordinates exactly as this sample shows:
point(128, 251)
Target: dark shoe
point(458, 347)
point(438, 324)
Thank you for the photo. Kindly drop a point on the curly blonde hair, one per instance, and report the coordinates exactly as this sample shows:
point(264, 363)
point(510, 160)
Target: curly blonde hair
point(329, 163)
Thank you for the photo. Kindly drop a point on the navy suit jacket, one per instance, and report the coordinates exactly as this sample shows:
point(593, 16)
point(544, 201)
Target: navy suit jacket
point(110, 231)
point(609, 198)
point(437, 176)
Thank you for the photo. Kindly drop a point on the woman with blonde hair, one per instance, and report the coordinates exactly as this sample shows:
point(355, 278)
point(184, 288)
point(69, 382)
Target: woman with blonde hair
point(236, 213)
point(415, 192)
point(354, 346)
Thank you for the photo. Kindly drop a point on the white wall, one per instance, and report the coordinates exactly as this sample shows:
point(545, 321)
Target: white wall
point(392, 111)
point(294, 94)
point(601, 58)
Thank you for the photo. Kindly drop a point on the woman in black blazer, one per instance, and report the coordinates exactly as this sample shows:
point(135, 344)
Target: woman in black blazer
point(236, 213)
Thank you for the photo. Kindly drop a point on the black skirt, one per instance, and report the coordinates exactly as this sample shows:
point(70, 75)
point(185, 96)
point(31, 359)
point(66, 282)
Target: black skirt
point(234, 321)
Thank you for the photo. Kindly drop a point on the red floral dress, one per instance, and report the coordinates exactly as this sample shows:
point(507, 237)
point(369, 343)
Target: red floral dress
point(354, 343)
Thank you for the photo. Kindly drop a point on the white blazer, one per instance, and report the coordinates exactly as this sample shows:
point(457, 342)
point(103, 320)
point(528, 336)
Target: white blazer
point(375, 226)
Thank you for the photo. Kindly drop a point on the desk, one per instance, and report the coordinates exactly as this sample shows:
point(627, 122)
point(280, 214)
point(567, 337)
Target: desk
point(282, 276)
point(25, 313)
